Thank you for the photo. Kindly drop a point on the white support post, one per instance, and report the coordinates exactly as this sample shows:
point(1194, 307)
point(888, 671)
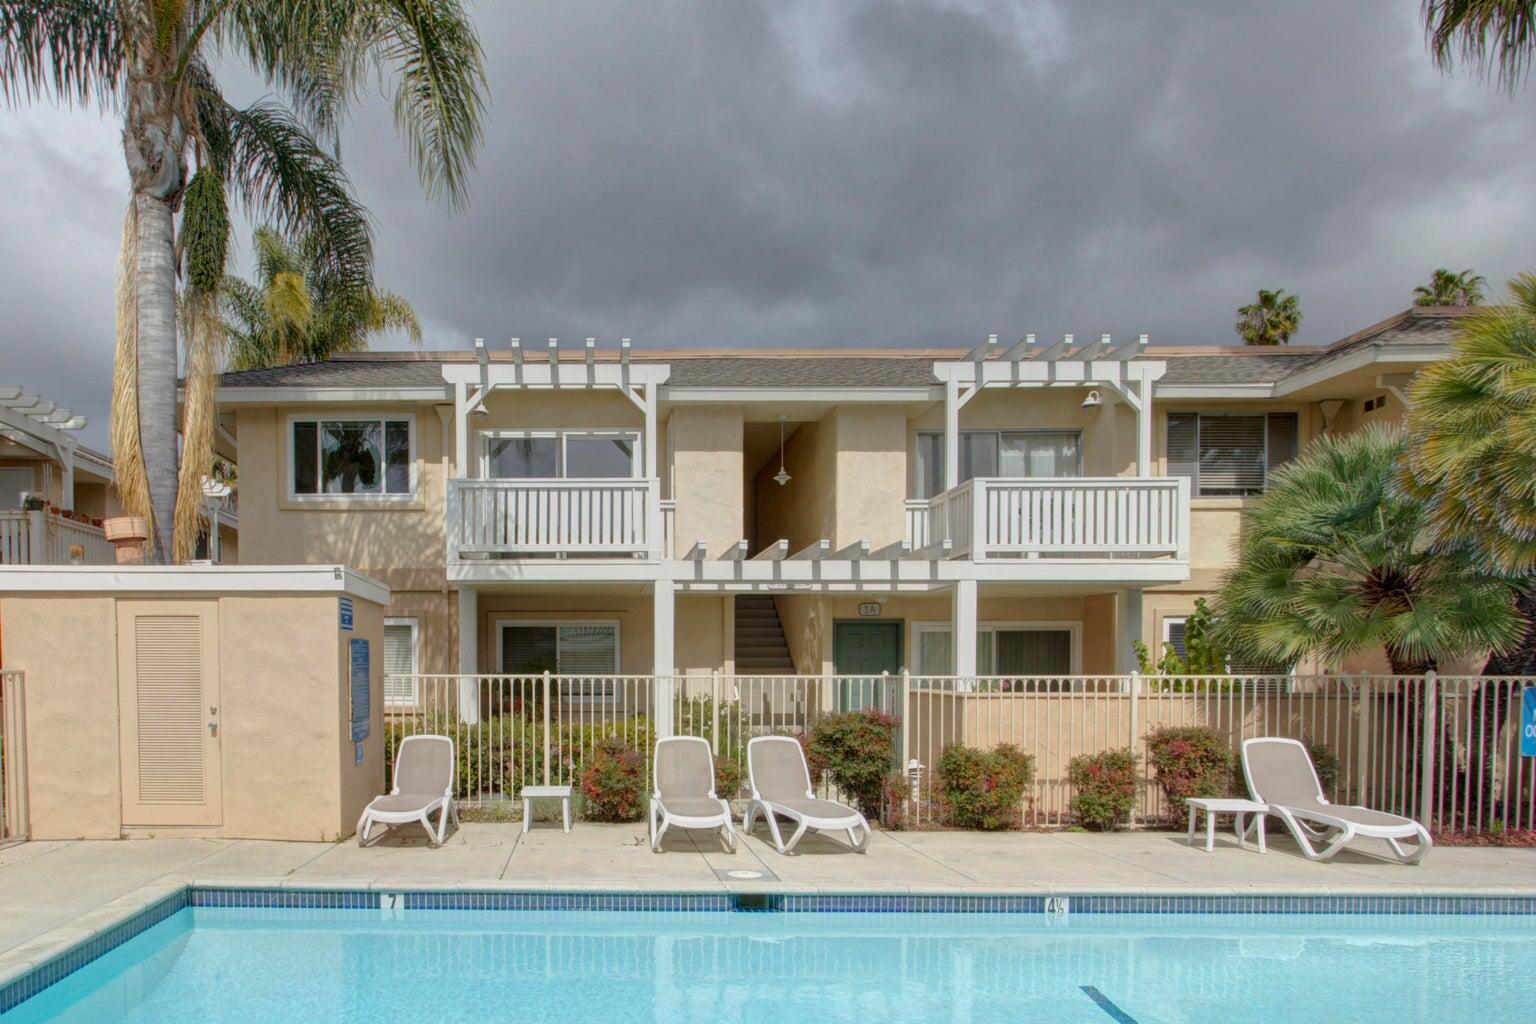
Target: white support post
point(67, 484)
point(663, 628)
point(461, 430)
point(469, 654)
point(963, 625)
point(37, 537)
point(1427, 768)
point(1130, 631)
point(655, 541)
point(1144, 428)
point(951, 434)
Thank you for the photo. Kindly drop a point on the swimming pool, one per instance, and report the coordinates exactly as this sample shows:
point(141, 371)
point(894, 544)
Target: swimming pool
point(396, 963)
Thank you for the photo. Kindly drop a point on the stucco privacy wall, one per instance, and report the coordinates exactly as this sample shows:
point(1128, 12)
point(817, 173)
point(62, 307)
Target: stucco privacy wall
point(707, 472)
point(284, 739)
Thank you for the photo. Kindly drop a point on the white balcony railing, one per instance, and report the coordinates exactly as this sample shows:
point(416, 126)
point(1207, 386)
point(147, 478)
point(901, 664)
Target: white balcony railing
point(42, 538)
point(1083, 516)
point(510, 518)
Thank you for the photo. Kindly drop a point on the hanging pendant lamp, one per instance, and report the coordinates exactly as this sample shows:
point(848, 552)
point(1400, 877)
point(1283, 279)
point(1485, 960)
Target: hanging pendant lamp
point(782, 476)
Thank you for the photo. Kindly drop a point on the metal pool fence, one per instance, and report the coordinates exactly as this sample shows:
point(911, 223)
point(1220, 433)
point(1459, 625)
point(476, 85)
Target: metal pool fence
point(1444, 750)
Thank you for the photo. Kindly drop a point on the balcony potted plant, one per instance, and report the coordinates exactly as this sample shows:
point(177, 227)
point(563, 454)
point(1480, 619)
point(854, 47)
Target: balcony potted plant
point(128, 535)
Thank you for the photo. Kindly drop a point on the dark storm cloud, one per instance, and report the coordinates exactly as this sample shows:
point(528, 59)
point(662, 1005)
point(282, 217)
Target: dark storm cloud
point(879, 172)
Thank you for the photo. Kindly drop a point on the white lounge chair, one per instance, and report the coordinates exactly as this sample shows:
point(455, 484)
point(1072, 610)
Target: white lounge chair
point(781, 785)
point(424, 767)
point(684, 791)
point(1281, 776)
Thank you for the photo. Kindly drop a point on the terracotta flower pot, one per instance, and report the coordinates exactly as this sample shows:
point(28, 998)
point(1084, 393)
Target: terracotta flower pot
point(128, 535)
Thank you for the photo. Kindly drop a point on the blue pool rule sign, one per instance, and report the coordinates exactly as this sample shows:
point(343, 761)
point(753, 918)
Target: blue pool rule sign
point(362, 700)
point(1528, 722)
point(346, 615)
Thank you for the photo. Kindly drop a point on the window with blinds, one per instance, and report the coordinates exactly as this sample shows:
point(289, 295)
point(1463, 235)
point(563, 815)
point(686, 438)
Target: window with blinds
point(1230, 454)
point(400, 666)
point(588, 651)
point(999, 453)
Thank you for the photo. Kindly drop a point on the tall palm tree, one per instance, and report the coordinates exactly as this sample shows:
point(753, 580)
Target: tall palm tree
point(1333, 561)
point(1473, 459)
point(1269, 320)
point(295, 312)
point(188, 150)
point(1447, 288)
point(1496, 37)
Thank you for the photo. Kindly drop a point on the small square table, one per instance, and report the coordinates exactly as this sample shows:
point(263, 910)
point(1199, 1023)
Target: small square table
point(1212, 806)
point(532, 793)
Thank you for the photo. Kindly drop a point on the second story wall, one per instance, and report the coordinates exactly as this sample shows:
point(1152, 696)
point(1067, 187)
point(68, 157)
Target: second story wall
point(707, 474)
point(396, 540)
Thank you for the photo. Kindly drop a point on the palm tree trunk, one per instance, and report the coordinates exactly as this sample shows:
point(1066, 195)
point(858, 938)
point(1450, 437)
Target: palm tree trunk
point(157, 363)
point(153, 141)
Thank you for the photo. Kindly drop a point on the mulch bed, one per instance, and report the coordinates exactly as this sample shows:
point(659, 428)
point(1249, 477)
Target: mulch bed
point(1509, 837)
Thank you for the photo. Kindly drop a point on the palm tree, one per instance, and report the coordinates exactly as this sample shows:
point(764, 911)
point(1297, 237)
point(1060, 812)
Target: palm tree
point(1496, 37)
point(1270, 320)
point(153, 62)
point(1333, 561)
point(296, 312)
point(1447, 288)
point(1473, 459)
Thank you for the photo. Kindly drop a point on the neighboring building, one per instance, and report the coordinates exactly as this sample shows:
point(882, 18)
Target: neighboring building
point(69, 489)
point(1023, 510)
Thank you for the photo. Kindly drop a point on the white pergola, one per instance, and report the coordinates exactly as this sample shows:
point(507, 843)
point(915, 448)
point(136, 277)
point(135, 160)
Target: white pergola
point(43, 426)
point(473, 383)
point(1121, 369)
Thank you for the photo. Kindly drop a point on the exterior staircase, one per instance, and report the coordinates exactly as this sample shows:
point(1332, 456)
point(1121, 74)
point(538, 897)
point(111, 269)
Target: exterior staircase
point(760, 645)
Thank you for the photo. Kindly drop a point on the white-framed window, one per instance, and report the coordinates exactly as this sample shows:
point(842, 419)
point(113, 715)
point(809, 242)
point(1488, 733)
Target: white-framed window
point(585, 648)
point(1002, 648)
point(560, 454)
point(402, 664)
point(1173, 633)
point(1011, 454)
point(353, 456)
point(1230, 454)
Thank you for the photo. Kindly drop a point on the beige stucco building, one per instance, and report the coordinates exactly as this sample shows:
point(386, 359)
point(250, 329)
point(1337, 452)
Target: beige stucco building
point(1013, 509)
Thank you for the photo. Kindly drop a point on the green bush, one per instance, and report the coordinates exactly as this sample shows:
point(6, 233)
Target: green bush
point(502, 753)
point(1103, 788)
point(1191, 760)
point(613, 784)
point(985, 789)
point(1325, 762)
point(853, 750)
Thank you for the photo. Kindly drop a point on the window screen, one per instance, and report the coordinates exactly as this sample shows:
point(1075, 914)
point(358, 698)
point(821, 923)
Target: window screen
point(399, 663)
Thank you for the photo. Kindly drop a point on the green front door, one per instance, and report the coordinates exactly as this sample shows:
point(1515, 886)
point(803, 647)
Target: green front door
point(867, 650)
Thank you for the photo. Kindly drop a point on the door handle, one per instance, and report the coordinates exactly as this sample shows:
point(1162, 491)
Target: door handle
point(213, 729)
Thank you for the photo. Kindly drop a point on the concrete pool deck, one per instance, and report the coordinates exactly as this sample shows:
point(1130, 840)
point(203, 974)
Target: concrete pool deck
point(52, 894)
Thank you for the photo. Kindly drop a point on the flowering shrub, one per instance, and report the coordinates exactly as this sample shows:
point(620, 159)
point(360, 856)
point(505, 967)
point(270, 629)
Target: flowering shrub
point(727, 776)
point(985, 789)
point(613, 782)
point(1191, 760)
point(1103, 788)
point(853, 751)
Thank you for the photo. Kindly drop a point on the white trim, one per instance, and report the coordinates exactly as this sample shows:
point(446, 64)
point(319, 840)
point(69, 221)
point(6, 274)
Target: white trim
point(321, 496)
point(841, 395)
point(1074, 627)
point(192, 579)
point(414, 625)
point(291, 394)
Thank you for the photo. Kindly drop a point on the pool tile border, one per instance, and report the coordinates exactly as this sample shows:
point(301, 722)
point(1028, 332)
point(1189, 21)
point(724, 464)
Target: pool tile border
point(71, 959)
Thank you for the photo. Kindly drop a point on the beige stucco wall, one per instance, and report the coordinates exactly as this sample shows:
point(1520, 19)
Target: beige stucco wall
point(871, 459)
point(805, 509)
point(67, 646)
point(707, 473)
point(285, 745)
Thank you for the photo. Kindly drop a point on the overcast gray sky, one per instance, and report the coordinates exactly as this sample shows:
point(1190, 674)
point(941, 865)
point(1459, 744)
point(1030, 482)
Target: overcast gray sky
point(724, 172)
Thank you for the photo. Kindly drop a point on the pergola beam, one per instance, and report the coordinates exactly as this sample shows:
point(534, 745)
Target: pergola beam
point(892, 552)
point(774, 552)
point(855, 552)
point(737, 552)
point(814, 552)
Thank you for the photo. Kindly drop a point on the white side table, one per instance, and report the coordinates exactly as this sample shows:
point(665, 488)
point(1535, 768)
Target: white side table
point(532, 793)
point(1212, 806)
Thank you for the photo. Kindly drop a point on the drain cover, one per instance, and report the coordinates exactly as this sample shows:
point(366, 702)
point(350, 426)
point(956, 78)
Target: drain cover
point(744, 874)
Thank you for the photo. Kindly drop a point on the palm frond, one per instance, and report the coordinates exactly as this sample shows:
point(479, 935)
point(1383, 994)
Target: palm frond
point(1494, 36)
point(70, 49)
point(391, 312)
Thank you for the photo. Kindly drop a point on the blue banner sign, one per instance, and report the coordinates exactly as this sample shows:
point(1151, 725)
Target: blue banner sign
point(362, 700)
point(346, 615)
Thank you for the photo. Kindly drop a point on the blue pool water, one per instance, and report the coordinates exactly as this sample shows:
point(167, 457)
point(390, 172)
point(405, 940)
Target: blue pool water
point(238, 965)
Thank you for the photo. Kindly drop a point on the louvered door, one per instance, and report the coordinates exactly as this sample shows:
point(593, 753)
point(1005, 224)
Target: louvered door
point(168, 661)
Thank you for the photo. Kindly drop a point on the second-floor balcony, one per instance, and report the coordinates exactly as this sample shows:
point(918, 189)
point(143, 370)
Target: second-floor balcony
point(50, 538)
point(1079, 517)
point(501, 519)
